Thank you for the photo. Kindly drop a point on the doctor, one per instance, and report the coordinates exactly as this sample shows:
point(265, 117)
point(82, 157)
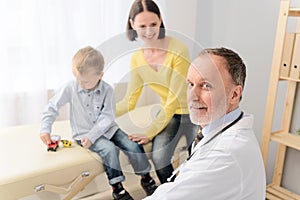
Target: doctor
point(226, 163)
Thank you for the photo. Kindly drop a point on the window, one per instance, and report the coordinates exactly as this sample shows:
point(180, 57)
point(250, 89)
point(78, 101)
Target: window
point(38, 41)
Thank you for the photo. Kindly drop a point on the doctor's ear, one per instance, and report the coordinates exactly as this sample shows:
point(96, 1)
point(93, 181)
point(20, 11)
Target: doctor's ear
point(236, 94)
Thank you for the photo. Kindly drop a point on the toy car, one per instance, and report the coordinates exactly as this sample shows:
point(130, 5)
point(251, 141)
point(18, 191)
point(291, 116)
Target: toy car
point(54, 143)
point(52, 146)
point(66, 143)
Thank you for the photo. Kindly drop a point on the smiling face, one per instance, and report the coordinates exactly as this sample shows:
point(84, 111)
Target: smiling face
point(211, 90)
point(147, 25)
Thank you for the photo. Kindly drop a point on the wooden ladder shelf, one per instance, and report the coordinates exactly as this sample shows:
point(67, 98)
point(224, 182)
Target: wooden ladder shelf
point(285, 67)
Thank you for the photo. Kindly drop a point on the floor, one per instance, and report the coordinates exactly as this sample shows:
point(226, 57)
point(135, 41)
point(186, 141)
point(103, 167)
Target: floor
point(132, 185)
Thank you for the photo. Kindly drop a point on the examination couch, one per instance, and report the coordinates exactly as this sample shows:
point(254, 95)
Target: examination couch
point(28, 170)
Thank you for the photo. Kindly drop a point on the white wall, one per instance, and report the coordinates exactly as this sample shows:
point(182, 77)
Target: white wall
point(249, 27)
point(235, 25)
point(180, 15)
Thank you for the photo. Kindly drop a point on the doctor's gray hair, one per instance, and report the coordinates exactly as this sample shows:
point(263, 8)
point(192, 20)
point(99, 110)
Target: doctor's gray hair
point(234, 63)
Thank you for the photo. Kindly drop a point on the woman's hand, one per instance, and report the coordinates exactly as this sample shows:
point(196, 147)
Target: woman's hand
point(139, 138)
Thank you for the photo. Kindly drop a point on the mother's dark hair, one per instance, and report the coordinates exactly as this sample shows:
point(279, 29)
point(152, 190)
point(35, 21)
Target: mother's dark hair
point(137, 7)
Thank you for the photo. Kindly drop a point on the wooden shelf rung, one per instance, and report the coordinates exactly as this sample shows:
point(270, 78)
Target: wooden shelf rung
point(280, 193)
point(295, 12)
point(275, 194)
point(270, 196)
point(283, 78)
point(288, 139)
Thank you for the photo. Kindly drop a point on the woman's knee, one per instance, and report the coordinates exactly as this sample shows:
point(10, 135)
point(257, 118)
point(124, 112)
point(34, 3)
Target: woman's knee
point(161, 158)
point(127, 145)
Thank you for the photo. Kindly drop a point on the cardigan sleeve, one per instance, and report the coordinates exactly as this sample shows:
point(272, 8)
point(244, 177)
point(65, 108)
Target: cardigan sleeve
point(134, 90)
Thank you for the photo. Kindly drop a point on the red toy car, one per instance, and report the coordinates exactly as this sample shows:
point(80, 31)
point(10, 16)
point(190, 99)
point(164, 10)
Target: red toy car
point(54, 143)
point(52, 146)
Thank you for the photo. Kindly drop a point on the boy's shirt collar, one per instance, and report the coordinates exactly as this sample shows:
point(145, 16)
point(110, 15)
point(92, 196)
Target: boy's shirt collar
point(96, 90)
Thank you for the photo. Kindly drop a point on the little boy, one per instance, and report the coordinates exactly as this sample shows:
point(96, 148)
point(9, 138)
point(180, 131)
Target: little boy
point(92, 119)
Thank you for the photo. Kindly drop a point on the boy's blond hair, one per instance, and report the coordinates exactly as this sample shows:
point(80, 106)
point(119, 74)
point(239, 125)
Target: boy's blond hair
point(88, 58)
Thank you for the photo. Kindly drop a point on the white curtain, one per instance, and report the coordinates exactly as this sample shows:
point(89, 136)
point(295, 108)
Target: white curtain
point(38, 39)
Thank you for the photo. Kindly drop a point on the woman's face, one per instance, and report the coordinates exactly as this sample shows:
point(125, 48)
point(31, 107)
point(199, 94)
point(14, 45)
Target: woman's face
point(147, 25)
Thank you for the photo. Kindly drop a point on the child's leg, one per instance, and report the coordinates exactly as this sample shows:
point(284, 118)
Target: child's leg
point(110, 156)
point(137, 158)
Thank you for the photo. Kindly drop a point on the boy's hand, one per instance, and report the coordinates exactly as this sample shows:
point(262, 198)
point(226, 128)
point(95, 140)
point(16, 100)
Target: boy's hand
point(139, 138)
point(45, 137)
point(86, 143)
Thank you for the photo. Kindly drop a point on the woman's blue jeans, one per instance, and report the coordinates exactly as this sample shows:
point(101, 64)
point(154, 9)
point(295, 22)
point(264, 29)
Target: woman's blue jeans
point(165, 142)
point(108, 150)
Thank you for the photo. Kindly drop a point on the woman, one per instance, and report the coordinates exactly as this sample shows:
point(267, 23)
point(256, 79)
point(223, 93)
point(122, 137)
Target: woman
point(162, 65)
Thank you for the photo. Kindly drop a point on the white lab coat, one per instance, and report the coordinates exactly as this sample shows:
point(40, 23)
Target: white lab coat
point(229, 167)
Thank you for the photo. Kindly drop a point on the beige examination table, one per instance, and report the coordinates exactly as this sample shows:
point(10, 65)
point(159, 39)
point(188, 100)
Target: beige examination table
point(27, 168)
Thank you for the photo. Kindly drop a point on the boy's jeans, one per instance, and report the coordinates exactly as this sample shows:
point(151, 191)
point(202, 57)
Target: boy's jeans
point(108, 150)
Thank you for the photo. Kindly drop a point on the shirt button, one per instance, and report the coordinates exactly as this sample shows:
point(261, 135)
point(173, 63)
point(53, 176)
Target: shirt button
point(98, 107)
point(94, 122)
point(87, 105)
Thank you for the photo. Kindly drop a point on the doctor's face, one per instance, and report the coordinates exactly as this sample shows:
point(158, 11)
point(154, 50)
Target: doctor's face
point(209, 89)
